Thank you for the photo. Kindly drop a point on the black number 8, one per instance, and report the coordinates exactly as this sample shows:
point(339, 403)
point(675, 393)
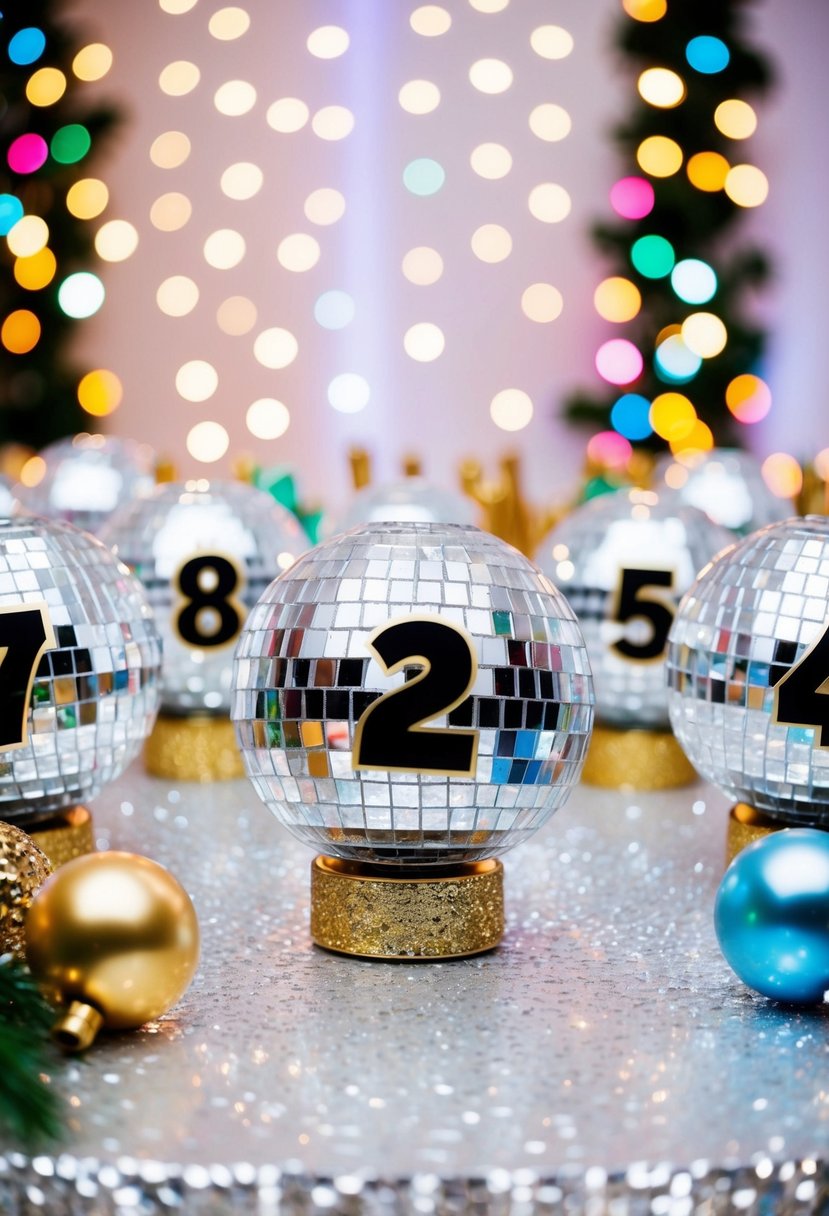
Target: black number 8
point(211, 616)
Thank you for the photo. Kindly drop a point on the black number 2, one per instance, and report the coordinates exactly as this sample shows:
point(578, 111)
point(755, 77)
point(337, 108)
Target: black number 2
point(25, 633)
point(390, 734)
point(630, 603)
point(801, 696)
point(211, 616)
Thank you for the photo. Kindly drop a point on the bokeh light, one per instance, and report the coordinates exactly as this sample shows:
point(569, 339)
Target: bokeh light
point(694, 281)
point(735, 119)
point(632, 198)
point(549, 203)
point(197, 380)
point(207, 442)
point(610, 449)
point(348, 393)
point(288, 114)
point(489, 6)
point(177, 296)
point(171, 211)
point(267, 418)
point(228, 24)
point(87, 198)
point(235, 98)
point(334, 310)
point(659, 156)
point(747, 186)
point(542, 302)
point(236, 316)
point(100, 392)
point(748, 397)
point(170, 149)
point(707, 171)
point(630, 416)
point(491, 161)
point(20, 332)
point(419, 97)
point(177, 7)
point(822, 464)
point(423, 176)
point(782, 474)
point(224, 249)
point(27, 153)
point(661, 87)
point(672, 416)
point(550, 122)
point(511, 409)
point(298, 252)
point(704, 334)
point(324, 206)
point(11, 210)
point(27, 45)
point(70, 144)
point(241, 181)
point(36, 272)
point(491, 243)
point(430, 20)
point(179, 78)
point(674, 362)
point(328, 42)
point(619, 361)
point(275, 348)
point(422, 265)
point(424, 342)
point(116, 240)
point(33, 471)
point(645, 10)
point(332, 122)
point(490, 75)
point(28, 236)
point(707, 55)
point(551, 41)
point(92, 62)
point(617, 299)
point(45, 86)
point(690, 447)
point(653, 256)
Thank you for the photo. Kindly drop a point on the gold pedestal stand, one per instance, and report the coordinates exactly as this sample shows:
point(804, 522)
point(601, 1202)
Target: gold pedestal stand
point(636, 760)
point(745, 825)
point(198, 748)
point(363, 910)
point(64, 835)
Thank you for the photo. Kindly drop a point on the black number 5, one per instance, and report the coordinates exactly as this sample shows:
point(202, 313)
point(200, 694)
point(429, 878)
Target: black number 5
point(24, 635)
point(390, 735)
point(800, 696)
point(630, 603)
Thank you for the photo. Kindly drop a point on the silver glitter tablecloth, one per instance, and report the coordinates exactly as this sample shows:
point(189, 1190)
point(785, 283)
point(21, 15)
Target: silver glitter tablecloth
point(604, 1058)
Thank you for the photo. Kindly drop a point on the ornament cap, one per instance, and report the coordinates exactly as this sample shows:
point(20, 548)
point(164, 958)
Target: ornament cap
point(636, 759)
point(77, 1028)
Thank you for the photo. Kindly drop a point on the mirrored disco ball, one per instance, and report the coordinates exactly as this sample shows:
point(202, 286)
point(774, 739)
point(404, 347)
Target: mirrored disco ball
point(86, 478)
point(390, 626)
point(728, 485)
point(624, 560)
point(205, 551)
point(747, 657)
point(8, 502)
point(80, 673)
point(409, 500)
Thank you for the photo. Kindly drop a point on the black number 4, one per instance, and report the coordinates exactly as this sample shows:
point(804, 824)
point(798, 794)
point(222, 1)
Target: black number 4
point(630, 603)
point(801, 696)
point(390, 735)
point(25, 633)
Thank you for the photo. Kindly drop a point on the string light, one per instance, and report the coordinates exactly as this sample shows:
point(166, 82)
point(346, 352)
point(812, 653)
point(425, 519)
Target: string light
point(735, 119)
point(672, 416)
point(653, 256)
point(661, 87)
point(748, 398)
point(659, 156)
point(617, 299)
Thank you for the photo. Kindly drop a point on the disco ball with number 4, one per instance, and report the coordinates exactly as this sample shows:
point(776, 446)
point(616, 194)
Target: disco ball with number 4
point(748, 671)
point(413, 693)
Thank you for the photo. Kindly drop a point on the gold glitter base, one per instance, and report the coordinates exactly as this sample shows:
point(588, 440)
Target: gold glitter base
point(65, 835)
point(636, 760)
point(359, 909)
point(745, 825)
point(198, 748)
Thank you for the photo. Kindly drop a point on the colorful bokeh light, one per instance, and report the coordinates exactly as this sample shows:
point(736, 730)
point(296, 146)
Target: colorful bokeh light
point(11, 210)
point(630, 416)
point(45, 86)
point(619, 361)
point(610, 449)
point(707, 54)
point(707, 171)
point(423, 176)
point(704, 334)
point(674, 362)
point(100, 392)
point(690, 447)
point(617, 299)
point(747, 186)
point(659, 156)
point(653, 256)
point(645, 10)
point(80, 295)
point(632, 198)
point(782, 474)
point(28, 236)
point(27, 45)
point(70, 144)
point(735, 119)
point(27, 153)
point(661, 87)
point(87, 198)
point(20, 332)
point(694, 281)
point(36, 272)
point(672, 416)
point(748, 397)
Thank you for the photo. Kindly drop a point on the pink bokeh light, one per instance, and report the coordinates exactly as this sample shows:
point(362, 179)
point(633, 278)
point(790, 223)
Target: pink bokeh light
point(27, 153)
point(619, 361)
point(632, 198)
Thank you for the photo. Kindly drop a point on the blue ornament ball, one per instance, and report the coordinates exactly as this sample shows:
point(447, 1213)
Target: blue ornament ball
point(772, 915)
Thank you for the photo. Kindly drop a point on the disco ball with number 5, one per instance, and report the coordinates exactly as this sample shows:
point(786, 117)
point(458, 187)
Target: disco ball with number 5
point(748, 671)
point(413, 693)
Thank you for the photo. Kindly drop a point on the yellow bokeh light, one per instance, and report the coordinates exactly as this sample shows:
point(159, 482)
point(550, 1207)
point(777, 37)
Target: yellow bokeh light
point(332, 122)
point(422, 266)
point(33, 471)
point(324, 206)
point(419, 97)
point(430, 20)
point(196, 380)
point(267, 418)
point(224, 249)
point(747, 186)
point(491, 243)
point(659, 156)
point(179, 78)
point(542, 302)
point(242, 180)
point(424, 342)
point(177, 296)
point(92, 62)
point(822, 464)
point(234, 98)
point(511, 409)
point(177, 7)
point(328, 42)
point(707, 171)
point(645, 10)
point(171, 211)
point(550, 122)
point(227, 24)
point(748, 398)
point(551, 41)
point(207, 442)
point(287, 115)
point(116, 240)
point(37, 271)
point(782, 474)
point(275, 348)
point(735, 119)
point(491, 161)
point(100, 392)
point(667, 331)
point(87, 198)
point(28, 236)
point(672, 416)
point(617, 299)
point(661, 87)
point(170, 150)
point(489, 6)
point(699, 439)
point(704, 334)
point(20, 332)
point(549, 203)
point(45, 86)
point(298, 252)
point(236, 316)
point(490, 75)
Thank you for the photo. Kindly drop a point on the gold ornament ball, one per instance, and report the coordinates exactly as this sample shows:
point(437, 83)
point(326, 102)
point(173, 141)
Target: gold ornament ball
point(23, 870)
point(115, 938)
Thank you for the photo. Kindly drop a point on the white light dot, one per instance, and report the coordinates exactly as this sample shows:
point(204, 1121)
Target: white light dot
point(298, 252)
point(267, 418)
point(333, 122)
point(207, 441)
point(80, 295)
point(177, 296)
point(328, 42)
point(419, 97)
point(551, 42)
point(491, 243)
point(116, 240)
point(275, 348)
point(489, 6)
point(236, 316)
point(511, 409)
point(224, 249)
point(235, 97)
point(324, 206)
point(491, 161)
point(550, 122)
point(175, 7)
point(424, 342)
point(430, 20)
point(179, 78)
point(287, 115)
point(171, 211)
point(348, 393)
point(196, 380)
point(170, 150)
point(549, 203)
point(423, 266)
point(490, 75)
point(242, 180)
point(542, 302)
point(230, 23)
point(334, 310)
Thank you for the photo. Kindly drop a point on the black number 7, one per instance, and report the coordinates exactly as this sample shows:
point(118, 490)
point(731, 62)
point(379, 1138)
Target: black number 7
point(25, 633)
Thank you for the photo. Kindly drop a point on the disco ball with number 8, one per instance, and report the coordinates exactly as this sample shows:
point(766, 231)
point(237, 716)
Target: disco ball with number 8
point(748, 666)
point(413, 693)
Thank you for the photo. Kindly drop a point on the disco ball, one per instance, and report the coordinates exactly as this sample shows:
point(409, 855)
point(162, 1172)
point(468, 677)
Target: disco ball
point(624, 560)
point(8, 502)
point(389, 626)
point(409, 500)
point(83, 480)
point(728, 486)
point(205, 552)
point(80, 674)
point(747, 656)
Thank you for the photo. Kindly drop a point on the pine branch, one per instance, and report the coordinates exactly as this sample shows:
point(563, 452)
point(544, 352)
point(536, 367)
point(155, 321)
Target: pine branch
point(29, 1108)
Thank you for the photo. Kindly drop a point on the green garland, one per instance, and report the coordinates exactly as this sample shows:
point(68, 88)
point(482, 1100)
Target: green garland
point(29, 1107)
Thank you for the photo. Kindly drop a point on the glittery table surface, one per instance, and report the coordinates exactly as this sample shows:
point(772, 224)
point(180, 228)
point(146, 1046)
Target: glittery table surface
point(605, 1048)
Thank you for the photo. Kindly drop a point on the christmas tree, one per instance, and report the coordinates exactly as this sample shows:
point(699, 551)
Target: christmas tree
point(683, 365)
point(50, 133)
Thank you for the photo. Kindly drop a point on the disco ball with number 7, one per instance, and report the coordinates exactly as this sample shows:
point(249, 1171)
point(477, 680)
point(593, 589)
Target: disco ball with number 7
point(748, 671)
point(413, 693)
